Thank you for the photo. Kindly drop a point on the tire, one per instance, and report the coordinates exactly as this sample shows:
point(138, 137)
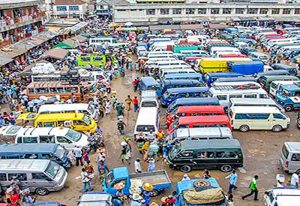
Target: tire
point(41, 191)
point(154, 193)
point(244, 128)
point(288, 108)
point(277, 128)
point(226, 168)
point(185, 169)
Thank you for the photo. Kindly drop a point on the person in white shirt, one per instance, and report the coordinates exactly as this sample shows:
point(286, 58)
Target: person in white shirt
point(295, 180)
point(85, 180)
point(137, 166)
point(78, 155)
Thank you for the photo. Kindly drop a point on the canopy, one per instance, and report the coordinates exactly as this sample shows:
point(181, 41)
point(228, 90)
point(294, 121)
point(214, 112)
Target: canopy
point(64, 45)
point(56, 53)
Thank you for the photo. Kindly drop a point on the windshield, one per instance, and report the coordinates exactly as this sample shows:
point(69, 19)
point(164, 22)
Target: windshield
point(145, 128)
point(109, 178)
point(149, 104)
point(175, 124)
point(285, 93)
point(87, 119)
point(166, 95)
point(285, 152)
point(73, 135)
point(175, 150)
point(60, 152)
point(273, 85)
point(52, 169)
point(91, 109)
point(93, 88)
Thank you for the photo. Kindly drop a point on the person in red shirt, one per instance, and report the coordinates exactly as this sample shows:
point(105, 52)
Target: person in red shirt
point(170, 201)
point(135, 102)
point(135, 84)
point(14, 198)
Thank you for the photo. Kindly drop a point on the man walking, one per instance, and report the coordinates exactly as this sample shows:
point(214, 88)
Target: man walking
point(253, 188)
point(78, 155)
point(295, 180)
point(232, 181)
point(85, 180)
point(128, 101)
point(135, 102)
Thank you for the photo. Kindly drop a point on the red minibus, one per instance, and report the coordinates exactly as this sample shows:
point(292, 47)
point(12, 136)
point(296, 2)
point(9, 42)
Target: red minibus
point(185, 111)
point(200, 121)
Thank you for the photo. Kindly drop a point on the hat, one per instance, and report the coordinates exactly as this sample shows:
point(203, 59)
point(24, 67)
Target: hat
point(119, 186)
point(148, 187)
point(136, 196)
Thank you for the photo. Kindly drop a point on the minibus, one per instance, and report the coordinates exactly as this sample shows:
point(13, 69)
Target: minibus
point(147, 121)
point(207, 133)
point(88, 109)
point(175, 93)
point(173, 71)
point(271, 72)
point(189, 76)
point(180, 83)
point(148, 83)
point(274, 87)
point(68, 138)
point(53, 152)
point(225, 92)
point(161, 57)
point(268, 102)
point(290, 69)
point(211, 77)
point(237, 79)
point(200, 121)
point(190, 102)
point(258, 118)
point(185, 111)
point(77, 121)
point(214, 50)
point(266, 81)
point(289, 96)
point(170, 63)
point(256, 56)
point(290, 157)
point(223, 154)
point(39, 176)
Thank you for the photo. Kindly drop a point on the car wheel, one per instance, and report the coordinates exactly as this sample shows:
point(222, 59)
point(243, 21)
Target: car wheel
point(277, 128)
point(154, 193)
point(226, 168)
point(185, 169)
point(288, 108)
point(41, 191)
point(244, 128)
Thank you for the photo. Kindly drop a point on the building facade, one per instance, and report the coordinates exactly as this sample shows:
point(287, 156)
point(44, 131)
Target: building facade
point(69, 8)
point(20, 20)
point(103, 8)
point(146, 12)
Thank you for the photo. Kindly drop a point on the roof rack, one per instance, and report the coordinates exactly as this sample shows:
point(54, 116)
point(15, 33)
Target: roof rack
point(237, 87)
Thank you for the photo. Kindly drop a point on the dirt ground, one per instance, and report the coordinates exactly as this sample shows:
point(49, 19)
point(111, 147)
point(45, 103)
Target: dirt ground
point(261, 155)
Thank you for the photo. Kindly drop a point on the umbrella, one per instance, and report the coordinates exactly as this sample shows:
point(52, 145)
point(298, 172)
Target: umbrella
point(128, 24)
point(113, 24)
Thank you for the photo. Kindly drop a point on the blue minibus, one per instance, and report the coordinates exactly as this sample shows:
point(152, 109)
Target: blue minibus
point(178, 83)
point(148, 83)
point(191, 102)
point(50, 151)
point(175, 93)
point(211, 77)
point(288, 96)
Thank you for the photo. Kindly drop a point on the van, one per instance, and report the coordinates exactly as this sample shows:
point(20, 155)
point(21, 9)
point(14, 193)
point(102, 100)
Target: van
point(191, 101)
point(185, 111)
point(258, 118)
point(290, 69)
point(39, 176)
point(88, 109)
point(224, 91)
point(282, 196)
point(78, 121)
point(147, 121)
point(274, 87)
point(266, 81)
point(175, 93)
point(272, 72)
point(256, 56)
point(290, 157)
point(200, 121)
point(68, 138)
point(180, 83)
point(189, 76)
point(199, 134)
point(53, 152)
point(183, 70)
point(237, 79)
point(237, 102)
point(223, 154)
point(211, 77)
point(289, 96)
point(148, 83)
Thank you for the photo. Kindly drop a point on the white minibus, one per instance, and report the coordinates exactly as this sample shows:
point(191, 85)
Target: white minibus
point(147, 121)
point(173, 71)
point(258, 118)
point(238, 102)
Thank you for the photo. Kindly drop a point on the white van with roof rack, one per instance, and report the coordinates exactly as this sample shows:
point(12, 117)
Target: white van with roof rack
point(65, 137)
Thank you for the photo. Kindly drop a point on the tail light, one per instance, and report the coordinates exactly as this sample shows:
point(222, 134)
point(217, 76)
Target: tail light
point(286, 164)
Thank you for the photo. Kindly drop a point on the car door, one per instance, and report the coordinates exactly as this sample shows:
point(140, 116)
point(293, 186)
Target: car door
point(40, 180)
